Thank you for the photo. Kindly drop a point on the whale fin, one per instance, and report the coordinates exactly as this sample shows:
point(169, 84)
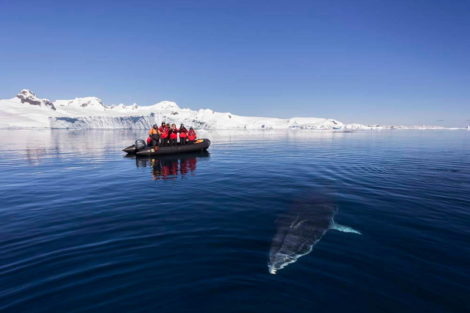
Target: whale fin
point(345, 229)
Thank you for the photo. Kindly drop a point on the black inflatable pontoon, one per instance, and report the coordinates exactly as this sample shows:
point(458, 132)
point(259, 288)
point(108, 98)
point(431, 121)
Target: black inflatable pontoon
point(198, 145)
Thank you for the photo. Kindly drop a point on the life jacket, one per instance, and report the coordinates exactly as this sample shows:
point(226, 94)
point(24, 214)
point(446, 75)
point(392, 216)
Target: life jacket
point(192, 135)
point(153, 131)
point(174, 133)
point(149, 140)
point(164, 134)
point(183, 132)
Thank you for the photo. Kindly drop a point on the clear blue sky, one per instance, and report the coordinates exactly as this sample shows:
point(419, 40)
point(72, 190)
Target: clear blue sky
point(396, 61)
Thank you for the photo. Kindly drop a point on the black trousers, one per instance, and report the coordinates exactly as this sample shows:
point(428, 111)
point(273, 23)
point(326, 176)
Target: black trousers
point(164, 142)
point(155, 140)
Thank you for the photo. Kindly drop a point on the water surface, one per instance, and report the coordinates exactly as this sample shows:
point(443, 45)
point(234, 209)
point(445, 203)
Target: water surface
point(85, 229)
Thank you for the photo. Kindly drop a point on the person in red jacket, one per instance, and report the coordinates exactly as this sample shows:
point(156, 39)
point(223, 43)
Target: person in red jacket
point(164, 134)
point(173, 135)
point(183, 134)
point(192, 135)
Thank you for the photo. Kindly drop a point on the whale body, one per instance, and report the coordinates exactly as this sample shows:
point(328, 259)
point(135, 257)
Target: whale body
point(300, 229)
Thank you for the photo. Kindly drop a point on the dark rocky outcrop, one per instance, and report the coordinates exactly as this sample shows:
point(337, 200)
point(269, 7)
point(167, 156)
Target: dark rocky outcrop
point(26, 96)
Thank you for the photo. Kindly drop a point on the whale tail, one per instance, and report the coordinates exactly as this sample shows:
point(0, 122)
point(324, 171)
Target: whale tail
point(344, 229)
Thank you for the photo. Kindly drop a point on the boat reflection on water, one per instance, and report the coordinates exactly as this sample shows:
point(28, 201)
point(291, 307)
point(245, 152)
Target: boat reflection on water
point(171, 166)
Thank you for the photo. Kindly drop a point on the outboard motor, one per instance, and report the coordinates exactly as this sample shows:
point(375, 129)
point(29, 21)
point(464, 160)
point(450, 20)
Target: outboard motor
point(140, 144)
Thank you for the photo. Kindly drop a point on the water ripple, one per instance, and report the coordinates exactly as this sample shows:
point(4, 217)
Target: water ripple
point(83, 229)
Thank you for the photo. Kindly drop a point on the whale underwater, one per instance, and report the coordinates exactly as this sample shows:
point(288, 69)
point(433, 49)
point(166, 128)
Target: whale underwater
point(300, 229)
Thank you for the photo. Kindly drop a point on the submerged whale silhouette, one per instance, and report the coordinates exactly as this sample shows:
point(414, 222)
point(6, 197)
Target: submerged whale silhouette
point(300, 229)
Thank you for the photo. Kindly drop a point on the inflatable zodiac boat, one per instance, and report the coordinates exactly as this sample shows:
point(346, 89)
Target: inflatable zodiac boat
point(141, 149)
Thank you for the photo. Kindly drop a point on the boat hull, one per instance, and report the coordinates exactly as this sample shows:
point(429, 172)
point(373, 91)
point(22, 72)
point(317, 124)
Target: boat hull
point(199, 145)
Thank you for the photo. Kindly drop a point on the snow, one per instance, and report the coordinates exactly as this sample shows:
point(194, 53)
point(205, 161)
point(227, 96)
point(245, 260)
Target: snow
point(164, 106)
point(26, 110)
point(85, 103)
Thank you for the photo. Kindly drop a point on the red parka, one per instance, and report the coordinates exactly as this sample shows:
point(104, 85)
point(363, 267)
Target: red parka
point(163, 132)
point(192, 135)
point(183, 132)
point(174, 133)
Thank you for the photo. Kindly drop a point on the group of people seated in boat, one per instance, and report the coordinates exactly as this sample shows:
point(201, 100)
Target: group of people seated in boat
point(168, 135)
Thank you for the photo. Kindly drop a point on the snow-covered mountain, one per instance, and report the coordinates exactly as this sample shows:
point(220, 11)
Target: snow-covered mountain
point(26, 110)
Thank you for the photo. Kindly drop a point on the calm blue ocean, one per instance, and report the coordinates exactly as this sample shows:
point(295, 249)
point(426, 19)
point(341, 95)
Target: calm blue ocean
point(85, 229)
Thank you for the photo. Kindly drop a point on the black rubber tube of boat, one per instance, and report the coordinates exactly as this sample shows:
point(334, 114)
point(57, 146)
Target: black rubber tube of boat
point(199, 145)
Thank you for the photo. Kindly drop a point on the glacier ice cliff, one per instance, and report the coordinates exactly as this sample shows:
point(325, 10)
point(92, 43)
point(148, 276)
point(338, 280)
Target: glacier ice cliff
point(26, 110)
